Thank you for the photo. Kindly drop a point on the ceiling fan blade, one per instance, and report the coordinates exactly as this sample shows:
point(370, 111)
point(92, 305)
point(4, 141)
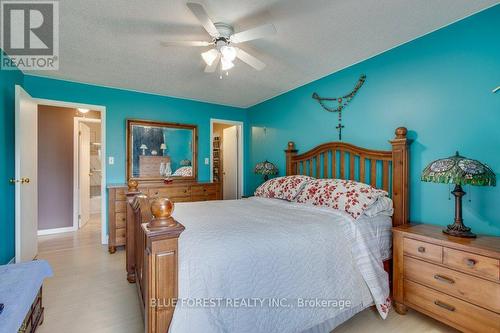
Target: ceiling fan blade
point(212, 68)
point(254, 33)
point(250, 59)
point(185, 43)
point(201, 14)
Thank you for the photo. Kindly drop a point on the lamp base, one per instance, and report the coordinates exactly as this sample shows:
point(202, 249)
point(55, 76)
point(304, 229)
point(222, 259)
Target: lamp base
point(459, 230)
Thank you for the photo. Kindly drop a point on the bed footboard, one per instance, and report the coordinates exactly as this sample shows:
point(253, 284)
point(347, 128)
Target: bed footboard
point(153, 265)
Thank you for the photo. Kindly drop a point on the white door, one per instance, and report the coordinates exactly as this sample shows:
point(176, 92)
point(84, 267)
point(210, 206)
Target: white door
point(230, 163)
point(26, 170)
point(84, 174)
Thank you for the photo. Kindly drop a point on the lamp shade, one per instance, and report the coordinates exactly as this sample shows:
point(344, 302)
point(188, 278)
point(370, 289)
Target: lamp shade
point(459, 170)
point(266, 168)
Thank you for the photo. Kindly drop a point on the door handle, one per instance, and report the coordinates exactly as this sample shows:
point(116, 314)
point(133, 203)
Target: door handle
point(24, 180)
point(444, 279)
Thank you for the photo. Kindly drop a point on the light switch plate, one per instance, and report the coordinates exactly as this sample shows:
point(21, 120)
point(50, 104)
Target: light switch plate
point(111, 160)
point(207, 161)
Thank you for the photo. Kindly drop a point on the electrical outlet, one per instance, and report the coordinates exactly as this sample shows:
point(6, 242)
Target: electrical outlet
point(111, 160)
point(207, 161)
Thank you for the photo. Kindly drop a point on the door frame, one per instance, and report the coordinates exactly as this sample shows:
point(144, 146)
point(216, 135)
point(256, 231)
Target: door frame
point(241, 152)
point(76, 166)
point(102, 110)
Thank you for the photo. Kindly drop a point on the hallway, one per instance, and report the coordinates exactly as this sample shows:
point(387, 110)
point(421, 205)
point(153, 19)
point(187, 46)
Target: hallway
point(89, 291)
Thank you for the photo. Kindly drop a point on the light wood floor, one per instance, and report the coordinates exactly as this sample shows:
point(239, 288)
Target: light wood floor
point(89, 292)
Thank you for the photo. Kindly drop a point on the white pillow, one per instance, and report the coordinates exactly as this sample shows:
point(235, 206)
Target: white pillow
point(383, 206)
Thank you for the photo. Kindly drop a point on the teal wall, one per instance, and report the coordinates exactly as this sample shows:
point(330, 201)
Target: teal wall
point(120, 105)
point(123, 104)
point(438, 86)
point(8, 80)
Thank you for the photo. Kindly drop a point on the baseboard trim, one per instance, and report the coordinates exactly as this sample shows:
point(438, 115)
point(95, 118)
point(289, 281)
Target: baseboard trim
point(45, 232)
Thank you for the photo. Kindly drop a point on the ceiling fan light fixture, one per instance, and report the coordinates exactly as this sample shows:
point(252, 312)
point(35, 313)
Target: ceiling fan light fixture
point(210, 56)
point(225, 64)
point(228, 52)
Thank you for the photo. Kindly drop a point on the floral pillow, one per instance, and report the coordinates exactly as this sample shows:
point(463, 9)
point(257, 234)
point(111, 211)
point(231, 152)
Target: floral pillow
point(346, 195)
point(285, 188)
point(185, 171)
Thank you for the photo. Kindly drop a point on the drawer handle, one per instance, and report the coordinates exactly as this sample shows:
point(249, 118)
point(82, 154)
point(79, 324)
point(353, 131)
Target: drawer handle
point(421, 249)
point(123, 219)
point(444, 279)
point(471, 262)
point(445, 306)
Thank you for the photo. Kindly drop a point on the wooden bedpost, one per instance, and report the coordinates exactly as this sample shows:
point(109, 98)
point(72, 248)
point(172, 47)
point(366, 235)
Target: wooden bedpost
point(160, 276)
point(400, 175)
point(290, 152)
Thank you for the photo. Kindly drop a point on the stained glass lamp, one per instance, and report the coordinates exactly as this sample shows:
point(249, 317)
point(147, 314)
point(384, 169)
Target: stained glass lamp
point(460, 171)
point(266, 168)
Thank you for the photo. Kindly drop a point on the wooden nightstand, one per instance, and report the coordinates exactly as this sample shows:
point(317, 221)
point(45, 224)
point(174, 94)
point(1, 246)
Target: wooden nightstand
point(454, 280)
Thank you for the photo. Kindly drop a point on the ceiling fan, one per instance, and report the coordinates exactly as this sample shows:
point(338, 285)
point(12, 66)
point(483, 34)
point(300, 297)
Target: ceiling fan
point(223, 39)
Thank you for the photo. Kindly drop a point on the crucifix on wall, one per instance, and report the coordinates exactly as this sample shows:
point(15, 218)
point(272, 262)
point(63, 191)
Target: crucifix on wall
point(342, 103)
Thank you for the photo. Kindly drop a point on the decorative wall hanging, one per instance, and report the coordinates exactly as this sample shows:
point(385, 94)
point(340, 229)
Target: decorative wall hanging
point(342, 101)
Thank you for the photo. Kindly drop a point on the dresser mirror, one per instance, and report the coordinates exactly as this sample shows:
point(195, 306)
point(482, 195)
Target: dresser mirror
point(158, 151)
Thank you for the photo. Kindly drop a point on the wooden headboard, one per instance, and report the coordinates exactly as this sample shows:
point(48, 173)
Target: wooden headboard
point(387, 170)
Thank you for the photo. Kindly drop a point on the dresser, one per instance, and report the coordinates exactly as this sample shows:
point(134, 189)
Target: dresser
point(177, 192)
point(454, 280)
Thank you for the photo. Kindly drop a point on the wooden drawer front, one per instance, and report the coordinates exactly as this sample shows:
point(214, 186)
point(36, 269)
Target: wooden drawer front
point(423, 250)
point(120, 206)
point(120, 220)
point(469, 317)
point(120, 194)
point(200, 190)
point(473, 263)
point(180, 199)
point(180, 191)
point(200, 198)
point(470, 288)
point(120, 236)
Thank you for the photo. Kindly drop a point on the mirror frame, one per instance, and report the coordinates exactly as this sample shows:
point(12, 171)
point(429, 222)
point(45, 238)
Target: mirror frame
point(194, 161)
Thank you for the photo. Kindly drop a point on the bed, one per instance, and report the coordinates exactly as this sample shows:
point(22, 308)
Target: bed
point(269, 265)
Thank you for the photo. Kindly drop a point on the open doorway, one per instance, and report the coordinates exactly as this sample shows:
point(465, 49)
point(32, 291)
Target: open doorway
point(44, 175)
point(227, 157)
point(87, 160)
point(69, 175)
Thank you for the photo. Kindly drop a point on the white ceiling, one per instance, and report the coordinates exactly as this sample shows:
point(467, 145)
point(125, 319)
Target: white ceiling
point(116, 42)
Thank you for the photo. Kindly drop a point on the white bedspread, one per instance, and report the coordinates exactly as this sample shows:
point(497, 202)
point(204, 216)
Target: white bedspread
point(243, 258)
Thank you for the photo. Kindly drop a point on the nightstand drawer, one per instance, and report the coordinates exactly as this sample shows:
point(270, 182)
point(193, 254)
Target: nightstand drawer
point(470, 288)
point(473, 263)
point(469, 317)
point(423, 250)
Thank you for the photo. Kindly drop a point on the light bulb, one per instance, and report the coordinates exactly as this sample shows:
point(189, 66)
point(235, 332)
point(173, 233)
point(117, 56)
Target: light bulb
point(82, 110)
point(228, 52)
point(225, 64)
point(210, 56)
